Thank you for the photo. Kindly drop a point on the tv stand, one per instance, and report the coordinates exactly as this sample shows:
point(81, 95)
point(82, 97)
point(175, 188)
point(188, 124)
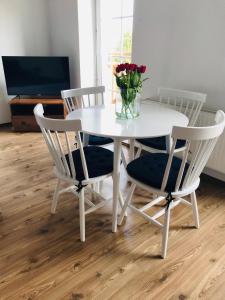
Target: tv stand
point(22, 111)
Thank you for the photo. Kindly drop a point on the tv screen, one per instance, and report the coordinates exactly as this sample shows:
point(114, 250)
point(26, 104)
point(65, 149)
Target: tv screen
point(36, 75)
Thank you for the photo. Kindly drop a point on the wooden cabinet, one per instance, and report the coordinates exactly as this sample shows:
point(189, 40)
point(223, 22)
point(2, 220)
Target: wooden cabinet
point(22, 112)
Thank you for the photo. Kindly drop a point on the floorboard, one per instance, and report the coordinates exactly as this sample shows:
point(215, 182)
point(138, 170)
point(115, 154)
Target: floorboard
point(41, 256)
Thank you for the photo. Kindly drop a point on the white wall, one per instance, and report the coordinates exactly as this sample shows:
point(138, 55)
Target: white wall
point(64, 35)
point(38, 27)
point(87, 42)
point(183, 44)
point(23, 31)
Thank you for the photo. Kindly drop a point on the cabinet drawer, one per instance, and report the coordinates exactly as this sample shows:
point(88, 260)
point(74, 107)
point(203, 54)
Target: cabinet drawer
point(24, 123)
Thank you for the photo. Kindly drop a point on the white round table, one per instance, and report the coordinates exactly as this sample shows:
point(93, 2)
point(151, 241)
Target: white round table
point(155, 120)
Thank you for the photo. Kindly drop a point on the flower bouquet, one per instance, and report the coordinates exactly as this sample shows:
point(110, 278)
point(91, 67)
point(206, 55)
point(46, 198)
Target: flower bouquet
point(129, 82)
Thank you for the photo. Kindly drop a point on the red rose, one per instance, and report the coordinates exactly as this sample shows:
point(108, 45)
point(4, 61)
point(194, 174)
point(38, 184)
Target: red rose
point(129, 67)
point(141, 69)
point(126, 66)
point(133, 67)
point(120, 67)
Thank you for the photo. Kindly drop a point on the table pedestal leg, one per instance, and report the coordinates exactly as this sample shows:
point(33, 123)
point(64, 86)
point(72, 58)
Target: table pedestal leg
point(116, 181)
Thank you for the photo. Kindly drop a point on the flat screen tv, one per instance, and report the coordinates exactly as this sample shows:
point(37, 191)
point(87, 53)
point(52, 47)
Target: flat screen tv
point(36, 75)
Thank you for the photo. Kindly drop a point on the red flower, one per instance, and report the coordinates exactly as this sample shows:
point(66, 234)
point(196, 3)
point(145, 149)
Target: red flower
point(123, 67)
point(131, 77)
point(126, 66)
point(120, 67)
point(141, 69)
point(132, 67)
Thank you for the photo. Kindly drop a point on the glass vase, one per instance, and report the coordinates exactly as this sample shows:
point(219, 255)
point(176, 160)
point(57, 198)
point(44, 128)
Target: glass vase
point(127, 104)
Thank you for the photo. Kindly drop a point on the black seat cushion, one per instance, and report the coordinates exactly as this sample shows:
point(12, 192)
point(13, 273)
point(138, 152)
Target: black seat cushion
point(99, 140)
point(99, 162)
point(159, 143)
point(94, 140)
point(149, 169)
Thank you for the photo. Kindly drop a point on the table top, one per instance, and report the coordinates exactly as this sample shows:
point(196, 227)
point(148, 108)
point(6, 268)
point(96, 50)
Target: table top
point(155, 120)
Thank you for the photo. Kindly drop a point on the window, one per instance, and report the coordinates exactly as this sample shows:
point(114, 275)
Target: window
point(115, 43)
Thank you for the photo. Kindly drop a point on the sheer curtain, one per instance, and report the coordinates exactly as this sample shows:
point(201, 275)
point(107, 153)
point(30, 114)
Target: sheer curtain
point(114, 24)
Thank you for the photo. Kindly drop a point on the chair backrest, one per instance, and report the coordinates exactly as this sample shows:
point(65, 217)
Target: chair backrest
point(200, 142)
point(55, 132)
point(187, 102)
point(83, 97)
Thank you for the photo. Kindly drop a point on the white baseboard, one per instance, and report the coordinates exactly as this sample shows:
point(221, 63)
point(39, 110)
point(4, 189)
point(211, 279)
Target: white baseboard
point(215, 174)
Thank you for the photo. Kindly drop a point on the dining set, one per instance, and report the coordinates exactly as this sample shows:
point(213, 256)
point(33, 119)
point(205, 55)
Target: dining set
point(167, 152)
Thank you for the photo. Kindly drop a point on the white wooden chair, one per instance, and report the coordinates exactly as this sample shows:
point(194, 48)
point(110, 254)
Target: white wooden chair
point(188, 103)
point(86, 97)
point(83, 97)
point(80, 168)
point(172, 178)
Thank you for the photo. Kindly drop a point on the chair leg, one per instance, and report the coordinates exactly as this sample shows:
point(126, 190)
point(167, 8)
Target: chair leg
point(123, 159)
point(127, 202)
point(101, 185)
point(82, 215)
point(195, 209)
point(97, 187)
point(138, 152)
point(55, 197)
point(121, 202)
point(165, 232)
point(93, 185)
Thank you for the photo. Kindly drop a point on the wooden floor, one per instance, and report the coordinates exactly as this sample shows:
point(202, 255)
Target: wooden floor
point(41, 256)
